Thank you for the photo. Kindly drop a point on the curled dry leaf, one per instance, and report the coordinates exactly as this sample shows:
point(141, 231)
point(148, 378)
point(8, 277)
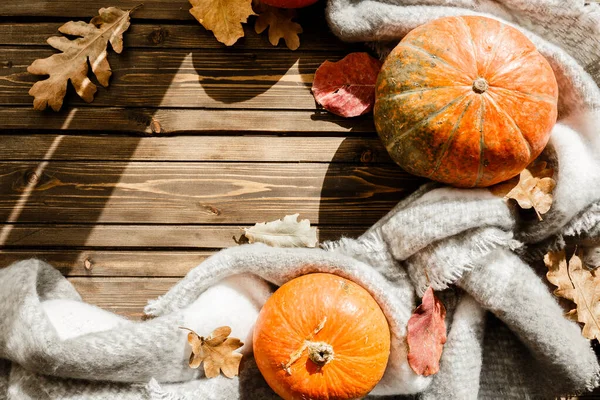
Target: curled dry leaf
point(223, 17)
point(578, 284)
point(280, 24)
point(72, 63)
point(347, 87)
point(216, 352)
point(532, 189)
point(288, 232)
point(426, 335)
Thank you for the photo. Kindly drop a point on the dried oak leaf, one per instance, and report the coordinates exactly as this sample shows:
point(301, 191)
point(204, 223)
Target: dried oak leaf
point(534, 188)
point(72, 63)
point(347, 87)
point(426, 335)
point(280, 24)
point(288, 232)
point(576, 283)
point(223, 17)
point(216, 352)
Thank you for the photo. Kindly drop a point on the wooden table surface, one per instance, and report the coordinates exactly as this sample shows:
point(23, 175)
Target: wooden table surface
point(191, 142)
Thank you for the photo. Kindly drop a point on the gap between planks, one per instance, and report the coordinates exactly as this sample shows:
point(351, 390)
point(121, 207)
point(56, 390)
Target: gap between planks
point(178, 36)
point(35, 238)
point(168, 121)
point(323, 149)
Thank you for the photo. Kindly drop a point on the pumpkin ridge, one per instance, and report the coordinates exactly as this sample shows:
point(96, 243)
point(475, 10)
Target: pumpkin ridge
point(481, 144)
point(471, 40)
point(540, 97)
point(394, 96)
point(446, 145)
point(510, 119)
point(434, 57)
point(494, 51)
point(509, 66)
point(424, 121)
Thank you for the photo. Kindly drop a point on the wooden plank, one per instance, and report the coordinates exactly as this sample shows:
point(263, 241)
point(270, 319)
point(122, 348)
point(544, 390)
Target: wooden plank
point(124, 296)
point(193, 148)
point(207, 193)
point(98, 263)
point(316, 37)
point(181, 121)
point(180, 78)
point(193, 237)
point(152, 9)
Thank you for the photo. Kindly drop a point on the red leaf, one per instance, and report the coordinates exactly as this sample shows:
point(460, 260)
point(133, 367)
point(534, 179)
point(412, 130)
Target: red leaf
point(426, 335)
point(347, 87)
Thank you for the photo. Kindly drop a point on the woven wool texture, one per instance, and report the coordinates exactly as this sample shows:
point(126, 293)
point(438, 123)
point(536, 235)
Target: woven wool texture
point(507, 337)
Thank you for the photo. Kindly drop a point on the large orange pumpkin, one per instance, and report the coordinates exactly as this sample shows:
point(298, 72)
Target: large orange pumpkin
point(467, 101)
point(321, 337)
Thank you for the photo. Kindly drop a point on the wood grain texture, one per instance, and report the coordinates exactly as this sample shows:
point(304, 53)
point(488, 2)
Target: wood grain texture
point(198, 193)
point(152, 9)
point(165, 237)
point(116, 294)
point(178, 36)
point(107, 263)
point(365, 150)
point(165, 121)
point(183, 78)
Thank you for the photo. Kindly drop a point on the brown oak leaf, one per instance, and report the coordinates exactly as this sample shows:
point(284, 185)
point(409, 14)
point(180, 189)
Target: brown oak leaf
point(223, 17)
point(578, 284)
point(426, 335)
point(72, 63)
point(280, 24)
point(534, 188)
point(216, 352)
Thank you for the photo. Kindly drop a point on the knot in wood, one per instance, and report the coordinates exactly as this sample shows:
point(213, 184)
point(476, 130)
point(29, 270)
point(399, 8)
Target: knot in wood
point(155, 126)
point(157, 36)
point(31, 177)
point(366, 156)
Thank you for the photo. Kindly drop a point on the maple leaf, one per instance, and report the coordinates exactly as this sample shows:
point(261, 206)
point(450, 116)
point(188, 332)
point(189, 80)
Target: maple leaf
point(579, 285)
point(280, 25)
point(426, 335)
point(347, 87)
point(216, 352)
point(534, 188)
point(288, 232)
point(223, 17)
point(72, 63)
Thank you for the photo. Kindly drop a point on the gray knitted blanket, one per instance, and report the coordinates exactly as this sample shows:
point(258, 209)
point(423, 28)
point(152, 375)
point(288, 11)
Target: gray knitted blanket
point(507, 336)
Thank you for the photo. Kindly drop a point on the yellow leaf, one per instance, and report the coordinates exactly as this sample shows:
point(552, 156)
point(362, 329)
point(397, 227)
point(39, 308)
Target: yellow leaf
point(280, 24)
point(534, 188)
point(223, 17)
point(216, 352)
point(581, 286)
point(72, 63)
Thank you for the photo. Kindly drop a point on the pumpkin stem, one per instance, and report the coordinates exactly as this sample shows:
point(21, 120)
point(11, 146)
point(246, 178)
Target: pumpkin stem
point(295, 356)
point(320, 353)
point(480, 85)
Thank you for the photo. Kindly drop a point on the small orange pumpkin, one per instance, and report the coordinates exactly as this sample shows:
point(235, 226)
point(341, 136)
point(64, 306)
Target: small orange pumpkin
point(321, 337)
point(467, 101)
